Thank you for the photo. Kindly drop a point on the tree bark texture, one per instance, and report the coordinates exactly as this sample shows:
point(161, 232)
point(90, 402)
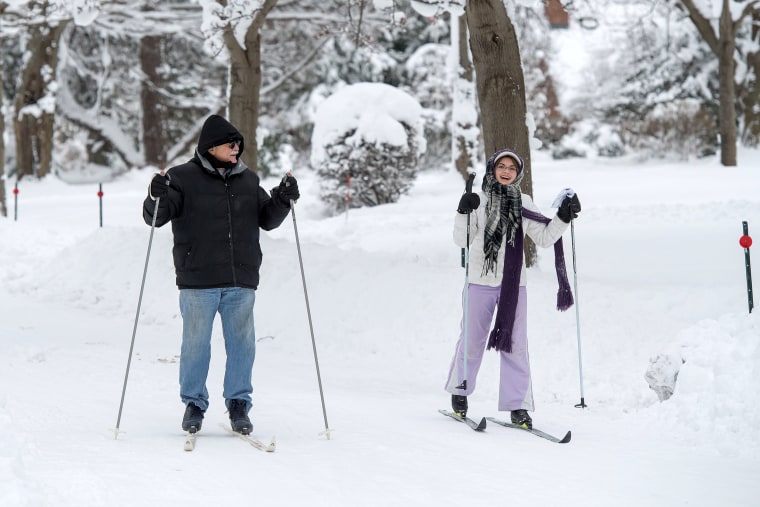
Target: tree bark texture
point(154, 110)
point(245, 83)
point(727, 88)
point(465, 147)
point(501, 87)
point(33, 121)
point(723, 45)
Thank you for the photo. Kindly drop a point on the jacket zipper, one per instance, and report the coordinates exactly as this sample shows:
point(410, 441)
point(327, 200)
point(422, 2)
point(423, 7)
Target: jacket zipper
point(229, 235)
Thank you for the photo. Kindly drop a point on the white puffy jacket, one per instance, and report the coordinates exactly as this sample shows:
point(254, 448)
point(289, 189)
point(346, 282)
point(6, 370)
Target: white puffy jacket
point(542, 235)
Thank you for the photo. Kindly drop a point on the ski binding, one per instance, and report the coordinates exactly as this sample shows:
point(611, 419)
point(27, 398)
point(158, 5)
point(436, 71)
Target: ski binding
point(475, 425)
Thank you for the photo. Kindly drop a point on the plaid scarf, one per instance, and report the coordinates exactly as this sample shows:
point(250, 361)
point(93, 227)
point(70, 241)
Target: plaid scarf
point(503, 213)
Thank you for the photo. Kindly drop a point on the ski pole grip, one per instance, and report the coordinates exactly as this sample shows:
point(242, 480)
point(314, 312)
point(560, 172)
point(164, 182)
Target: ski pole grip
point(470, 179)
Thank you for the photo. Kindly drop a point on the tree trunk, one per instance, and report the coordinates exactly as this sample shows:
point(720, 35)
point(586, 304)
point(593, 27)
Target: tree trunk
point(35, 102)
point(245, 83)
point(727, 91)
point(723, 45)
point(501, 87)
point(749, 92)
point(464, 110)
point(154, 111)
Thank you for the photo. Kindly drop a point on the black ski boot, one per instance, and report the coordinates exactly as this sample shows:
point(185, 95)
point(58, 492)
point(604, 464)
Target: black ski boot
point(521, 418)
point(459, 404)
point(239, 417)
point(193, 418)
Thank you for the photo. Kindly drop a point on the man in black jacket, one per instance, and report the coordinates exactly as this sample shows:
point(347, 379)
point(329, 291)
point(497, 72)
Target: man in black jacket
point(217, 206)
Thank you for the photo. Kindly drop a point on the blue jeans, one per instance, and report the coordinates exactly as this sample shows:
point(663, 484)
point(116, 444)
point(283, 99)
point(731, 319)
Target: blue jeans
point(198, 308)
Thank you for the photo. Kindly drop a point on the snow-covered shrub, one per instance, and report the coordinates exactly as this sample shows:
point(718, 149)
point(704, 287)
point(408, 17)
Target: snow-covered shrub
point(589, 137)
point(80, 156)
point(680, 127)
point(367, 140)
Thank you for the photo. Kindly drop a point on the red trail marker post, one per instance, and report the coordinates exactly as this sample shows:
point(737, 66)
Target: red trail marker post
point(746, 241)
point(15, 201)
point(100, 201)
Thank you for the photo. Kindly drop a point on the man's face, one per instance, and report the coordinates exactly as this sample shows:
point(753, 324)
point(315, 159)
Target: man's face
point(227, 152)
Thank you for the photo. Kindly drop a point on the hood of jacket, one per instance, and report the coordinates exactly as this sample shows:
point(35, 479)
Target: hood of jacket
point(217, 130)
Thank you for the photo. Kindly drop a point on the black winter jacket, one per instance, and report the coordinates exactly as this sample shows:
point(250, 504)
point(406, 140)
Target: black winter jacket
point(215, 221)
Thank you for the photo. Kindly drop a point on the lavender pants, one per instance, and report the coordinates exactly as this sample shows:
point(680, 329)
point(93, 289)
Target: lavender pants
point(515, 390)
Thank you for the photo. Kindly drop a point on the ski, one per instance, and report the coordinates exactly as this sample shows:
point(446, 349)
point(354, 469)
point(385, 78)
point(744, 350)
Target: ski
point(477, 426)
point(534, 431)
point(258, 444)
point(190, 441)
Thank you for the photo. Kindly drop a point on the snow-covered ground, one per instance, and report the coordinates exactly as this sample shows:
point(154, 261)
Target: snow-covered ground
point(660, 271)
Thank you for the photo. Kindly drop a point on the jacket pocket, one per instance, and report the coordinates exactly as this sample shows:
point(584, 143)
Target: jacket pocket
point(183, 257)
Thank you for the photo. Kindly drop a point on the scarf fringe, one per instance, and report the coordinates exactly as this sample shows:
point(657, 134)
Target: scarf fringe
point(564, 299)
point(500, 339)
point(564, 294)
point(489, 264)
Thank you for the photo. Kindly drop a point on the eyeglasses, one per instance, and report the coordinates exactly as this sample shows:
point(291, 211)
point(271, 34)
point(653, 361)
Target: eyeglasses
point(504, 167)
point(233, 143)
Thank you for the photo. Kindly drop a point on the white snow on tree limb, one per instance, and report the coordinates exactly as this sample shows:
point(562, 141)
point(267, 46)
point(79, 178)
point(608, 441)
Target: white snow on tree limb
point(237, 14)
point(373, 111)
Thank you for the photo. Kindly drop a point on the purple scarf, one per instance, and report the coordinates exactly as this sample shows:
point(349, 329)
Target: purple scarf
point(501, 335)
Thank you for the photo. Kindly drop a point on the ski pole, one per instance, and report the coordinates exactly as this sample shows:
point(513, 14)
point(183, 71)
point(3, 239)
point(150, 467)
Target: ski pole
point(463, 385)
point(308, 314)
point(137, 316)
point(582, 404)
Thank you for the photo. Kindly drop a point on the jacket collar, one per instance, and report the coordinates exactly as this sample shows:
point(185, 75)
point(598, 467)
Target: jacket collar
point(239, 167)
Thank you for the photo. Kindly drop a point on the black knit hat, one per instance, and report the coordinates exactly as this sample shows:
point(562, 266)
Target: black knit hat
point(216, 130)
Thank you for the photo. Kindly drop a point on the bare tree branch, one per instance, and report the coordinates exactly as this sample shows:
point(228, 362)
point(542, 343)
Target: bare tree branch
point(702, 25)
point(296, 68)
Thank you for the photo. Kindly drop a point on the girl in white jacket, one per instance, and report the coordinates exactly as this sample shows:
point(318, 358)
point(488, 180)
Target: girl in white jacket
point(497, 281)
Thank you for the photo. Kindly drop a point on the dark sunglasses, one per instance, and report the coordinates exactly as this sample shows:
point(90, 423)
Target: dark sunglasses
point(233, 142)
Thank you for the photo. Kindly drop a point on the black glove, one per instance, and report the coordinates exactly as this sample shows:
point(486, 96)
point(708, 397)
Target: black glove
point(159, 186)
point(287, 190)
point(569, 208)
point(468, 203)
